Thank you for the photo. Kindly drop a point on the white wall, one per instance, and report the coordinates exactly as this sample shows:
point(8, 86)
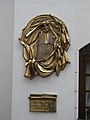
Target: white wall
point(6, 53)
point(63, 85)
point(75, 14)
point(82, 23)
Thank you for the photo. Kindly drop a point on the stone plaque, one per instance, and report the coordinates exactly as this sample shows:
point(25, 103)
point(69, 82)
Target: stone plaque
point(42, 103)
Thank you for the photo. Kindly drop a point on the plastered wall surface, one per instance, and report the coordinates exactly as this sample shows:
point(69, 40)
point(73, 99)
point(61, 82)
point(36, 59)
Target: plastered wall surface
point(82, 23)
point(75, 14)
point(63, 85)
point(6, 57)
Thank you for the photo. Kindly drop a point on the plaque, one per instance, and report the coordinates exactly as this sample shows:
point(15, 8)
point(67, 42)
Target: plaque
point(45, 40)
point(42, 103)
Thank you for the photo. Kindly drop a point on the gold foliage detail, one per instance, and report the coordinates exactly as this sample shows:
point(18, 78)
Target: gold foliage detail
point(45, 41)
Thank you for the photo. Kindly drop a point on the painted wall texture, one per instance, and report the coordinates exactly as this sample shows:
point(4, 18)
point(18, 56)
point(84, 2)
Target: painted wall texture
point(6, 57)
point(75, 13)
point(63, 85)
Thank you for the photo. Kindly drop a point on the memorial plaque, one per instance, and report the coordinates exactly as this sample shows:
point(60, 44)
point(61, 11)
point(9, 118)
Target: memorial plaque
point(42, 103)
point(45, 40)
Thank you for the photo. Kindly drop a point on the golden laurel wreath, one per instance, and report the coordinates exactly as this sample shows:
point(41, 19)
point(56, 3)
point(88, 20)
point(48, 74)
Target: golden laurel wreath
point(45, 41)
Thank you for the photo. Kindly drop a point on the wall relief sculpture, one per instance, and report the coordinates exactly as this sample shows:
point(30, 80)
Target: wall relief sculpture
point(45, 41)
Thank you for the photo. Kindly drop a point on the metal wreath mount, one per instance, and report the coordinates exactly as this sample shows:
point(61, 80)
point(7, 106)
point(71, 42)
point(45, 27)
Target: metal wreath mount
point(45, 41)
